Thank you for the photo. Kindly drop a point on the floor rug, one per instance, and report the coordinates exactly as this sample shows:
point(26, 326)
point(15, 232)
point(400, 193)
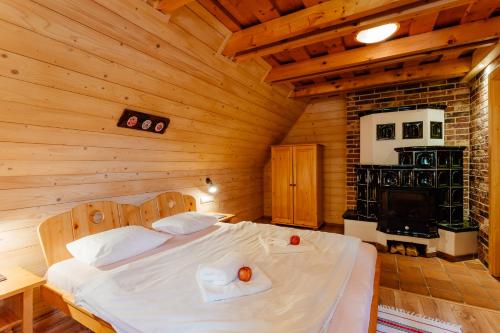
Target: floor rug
point(393, 320)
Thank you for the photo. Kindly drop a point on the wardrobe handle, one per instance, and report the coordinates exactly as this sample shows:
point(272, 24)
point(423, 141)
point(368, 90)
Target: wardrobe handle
point(293, 184)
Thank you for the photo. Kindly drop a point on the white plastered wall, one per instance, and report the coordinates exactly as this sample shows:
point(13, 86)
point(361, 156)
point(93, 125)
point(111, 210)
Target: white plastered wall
point(382, 152)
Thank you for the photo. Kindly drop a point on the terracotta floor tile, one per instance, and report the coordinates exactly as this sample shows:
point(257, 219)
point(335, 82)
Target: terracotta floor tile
point(481, 301)
point(457, 268)
point(391, 275)
point(471, 289)
point(431, 263)
point(391, 267)
point(387, 257)
point(494, 293)
point(439, 284)
point(475, 264)
point(485, 279)
point(464, 282)
point(416, 288)
point(407, 261)
point(450, 295)
point(411, 274)
point(409, 269)
point(487, 283)
point(389, 279)
point(439, 275)
point(461, 278)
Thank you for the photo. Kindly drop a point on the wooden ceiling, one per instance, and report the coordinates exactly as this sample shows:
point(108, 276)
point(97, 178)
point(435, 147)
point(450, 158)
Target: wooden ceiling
point(311, 43)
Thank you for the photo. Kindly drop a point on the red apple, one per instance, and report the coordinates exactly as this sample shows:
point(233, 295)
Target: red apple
point(295, 240)
point(245, 274)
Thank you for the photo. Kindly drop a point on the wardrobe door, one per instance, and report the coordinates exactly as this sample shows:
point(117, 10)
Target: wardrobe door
point(282, 180)
point(305, 189)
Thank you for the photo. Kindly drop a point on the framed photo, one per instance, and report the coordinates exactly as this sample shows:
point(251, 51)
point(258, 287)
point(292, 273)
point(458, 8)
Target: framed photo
point(143, 121)
point(386, 131)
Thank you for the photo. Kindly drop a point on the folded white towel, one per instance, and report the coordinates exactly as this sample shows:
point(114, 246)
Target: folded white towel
point(282, 245)
point(222, 271)
point(258, 283)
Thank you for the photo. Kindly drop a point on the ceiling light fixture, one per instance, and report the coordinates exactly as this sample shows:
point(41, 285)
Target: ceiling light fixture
point(377, 34)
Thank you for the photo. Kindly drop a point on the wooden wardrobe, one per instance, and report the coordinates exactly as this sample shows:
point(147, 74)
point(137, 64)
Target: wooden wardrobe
point(296, 185)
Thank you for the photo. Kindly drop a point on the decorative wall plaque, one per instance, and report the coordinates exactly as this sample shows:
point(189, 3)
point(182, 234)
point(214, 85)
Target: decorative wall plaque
point(386, 131)
point(413, 130)
point(143, 121)
point(97, 217)
point(436, 130)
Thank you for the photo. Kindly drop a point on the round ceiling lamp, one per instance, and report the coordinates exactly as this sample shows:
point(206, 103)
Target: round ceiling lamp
point(377, 34)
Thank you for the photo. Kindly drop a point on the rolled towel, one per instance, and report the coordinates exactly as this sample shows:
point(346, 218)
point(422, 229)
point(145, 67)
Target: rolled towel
point(283, 246)
point(222, 271)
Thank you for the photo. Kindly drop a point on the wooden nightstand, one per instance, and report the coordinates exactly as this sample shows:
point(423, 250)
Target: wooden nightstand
point(228, 218)
point(17, 295)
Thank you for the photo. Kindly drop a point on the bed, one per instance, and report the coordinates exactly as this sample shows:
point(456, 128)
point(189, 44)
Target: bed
point(354, 311)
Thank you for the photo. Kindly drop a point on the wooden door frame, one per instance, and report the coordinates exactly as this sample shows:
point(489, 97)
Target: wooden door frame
point(494, 171)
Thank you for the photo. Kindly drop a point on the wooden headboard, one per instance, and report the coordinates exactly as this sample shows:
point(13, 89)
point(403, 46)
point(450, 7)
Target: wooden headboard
point(95, 217)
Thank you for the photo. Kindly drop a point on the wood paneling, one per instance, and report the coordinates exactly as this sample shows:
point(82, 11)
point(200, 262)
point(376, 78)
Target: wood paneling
point(68, 69)
point(494, 173)
point(322, 122)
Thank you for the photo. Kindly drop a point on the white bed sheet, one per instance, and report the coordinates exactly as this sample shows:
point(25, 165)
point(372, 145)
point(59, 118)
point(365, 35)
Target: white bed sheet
point(351, 315)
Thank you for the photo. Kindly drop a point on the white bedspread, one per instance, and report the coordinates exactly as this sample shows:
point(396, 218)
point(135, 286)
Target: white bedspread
point(160, 293)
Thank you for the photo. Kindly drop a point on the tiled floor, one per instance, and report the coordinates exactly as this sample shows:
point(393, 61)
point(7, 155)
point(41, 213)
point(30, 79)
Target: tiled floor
point(473, 319)
point(465, 282)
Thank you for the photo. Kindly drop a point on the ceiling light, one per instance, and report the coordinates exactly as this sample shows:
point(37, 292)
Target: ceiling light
point(377, 34)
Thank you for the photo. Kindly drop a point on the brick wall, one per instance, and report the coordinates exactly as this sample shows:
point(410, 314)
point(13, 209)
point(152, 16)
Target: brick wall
point(452, 93)
point(479, 177)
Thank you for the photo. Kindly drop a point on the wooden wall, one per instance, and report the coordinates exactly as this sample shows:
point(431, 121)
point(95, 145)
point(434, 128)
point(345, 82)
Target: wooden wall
point(69, 68)
point(322, 122)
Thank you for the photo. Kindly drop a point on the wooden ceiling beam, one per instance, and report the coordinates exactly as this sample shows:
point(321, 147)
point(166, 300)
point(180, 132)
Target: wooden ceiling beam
point(440, 70)
point(221, 14)
point(307, 20)
point(247, 53)
point(479, 10)
point(423, 23)
point(168, 6)
point(426, 42)
point(264, 10)
point(482, 58)
point(411, 60)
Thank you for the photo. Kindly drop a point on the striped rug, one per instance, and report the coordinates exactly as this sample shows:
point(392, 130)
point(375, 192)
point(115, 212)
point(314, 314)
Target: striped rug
point(393, 320)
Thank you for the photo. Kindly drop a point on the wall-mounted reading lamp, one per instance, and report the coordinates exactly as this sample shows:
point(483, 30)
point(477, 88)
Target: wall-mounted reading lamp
point(211, 187)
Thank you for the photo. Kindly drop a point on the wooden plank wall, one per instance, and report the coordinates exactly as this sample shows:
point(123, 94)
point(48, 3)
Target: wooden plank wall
point(322, 122)
point(69, 68)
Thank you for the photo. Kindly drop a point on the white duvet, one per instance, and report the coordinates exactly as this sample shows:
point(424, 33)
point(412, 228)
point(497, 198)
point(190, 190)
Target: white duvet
point(160, 293)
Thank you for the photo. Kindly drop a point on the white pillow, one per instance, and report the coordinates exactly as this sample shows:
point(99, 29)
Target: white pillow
point(185, 223)
point(114, 245)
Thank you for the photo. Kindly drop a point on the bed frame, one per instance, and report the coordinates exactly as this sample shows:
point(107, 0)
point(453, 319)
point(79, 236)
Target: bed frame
point(91, 218)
